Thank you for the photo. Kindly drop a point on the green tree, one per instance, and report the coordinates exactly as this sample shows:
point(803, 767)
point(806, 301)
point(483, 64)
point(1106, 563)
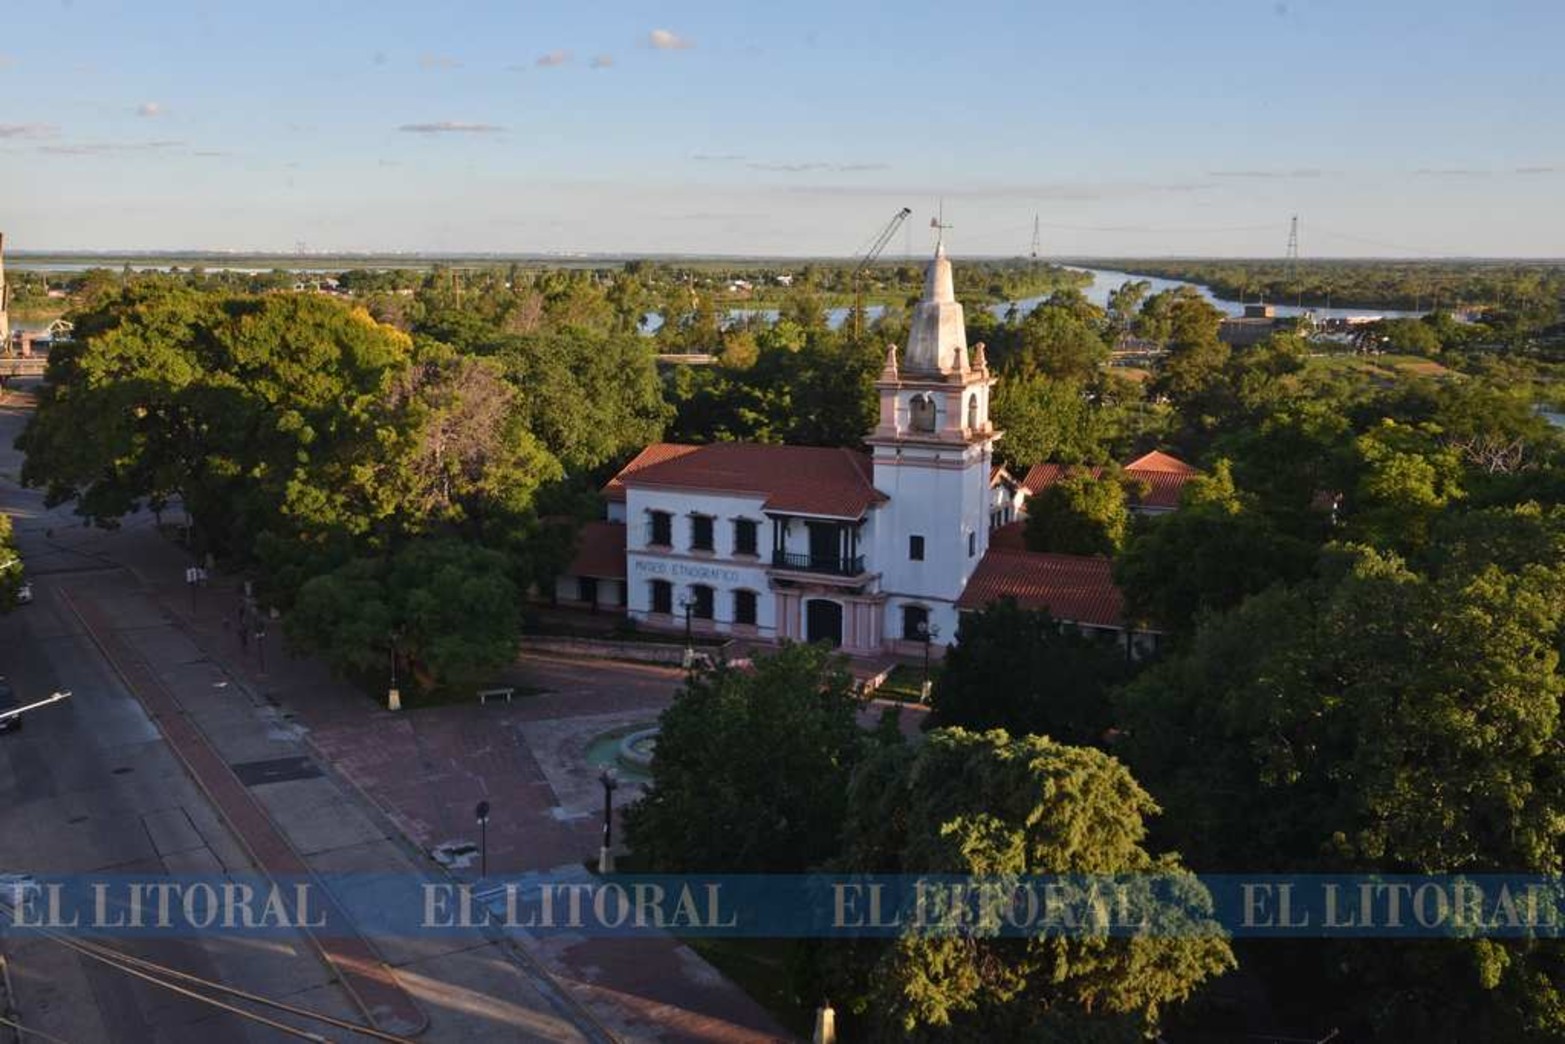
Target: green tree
point(1048, 420)
point(10, 566)
point(1213, 552)
point(1406, 478)
point(1022, 671)
point(1061, 341)
point(1079, 514)
point(752, 767)
point(446, 606)
point(994, 806)
point(1375, 720)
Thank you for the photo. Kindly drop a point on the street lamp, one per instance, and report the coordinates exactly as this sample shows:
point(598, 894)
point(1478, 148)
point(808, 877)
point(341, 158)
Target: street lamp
point(481, 813)
point(260, 644)
point(928, 632)
point(606, 853)
point(393, 696)
point(687, 604)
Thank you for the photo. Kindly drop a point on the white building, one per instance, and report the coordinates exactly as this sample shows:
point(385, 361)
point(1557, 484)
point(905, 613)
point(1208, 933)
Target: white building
point(870, 552)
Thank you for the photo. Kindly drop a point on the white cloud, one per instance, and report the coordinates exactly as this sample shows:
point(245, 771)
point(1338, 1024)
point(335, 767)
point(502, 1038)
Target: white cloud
point(1306, 172)
point(601, 61)
point(28, 130)
point(148, 109)
point(451, 127)
point(668, 40)
point(438, 61)
point(553, 58)
point(101, 148)
point(801, 168)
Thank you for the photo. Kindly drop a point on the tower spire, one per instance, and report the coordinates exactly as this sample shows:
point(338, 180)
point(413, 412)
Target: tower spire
point(937, 340)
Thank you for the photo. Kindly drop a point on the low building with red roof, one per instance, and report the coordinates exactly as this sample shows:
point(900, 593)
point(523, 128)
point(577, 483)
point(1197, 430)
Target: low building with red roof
point(1158, 477)
point(875, 552)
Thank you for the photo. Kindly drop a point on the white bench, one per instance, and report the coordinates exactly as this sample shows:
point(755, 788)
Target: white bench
point(485, 694)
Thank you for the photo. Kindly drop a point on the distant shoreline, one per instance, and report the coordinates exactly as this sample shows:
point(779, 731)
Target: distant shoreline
point(264, 261)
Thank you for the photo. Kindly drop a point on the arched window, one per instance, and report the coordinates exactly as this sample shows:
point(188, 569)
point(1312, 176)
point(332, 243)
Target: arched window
point(972, 412)
point(921, 413)
point(703, 600)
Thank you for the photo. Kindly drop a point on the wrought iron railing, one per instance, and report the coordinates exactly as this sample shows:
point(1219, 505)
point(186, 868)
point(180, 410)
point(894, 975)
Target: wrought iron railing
point(837, 565)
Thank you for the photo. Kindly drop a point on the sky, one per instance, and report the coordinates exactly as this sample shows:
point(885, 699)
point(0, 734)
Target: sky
point(796, 127)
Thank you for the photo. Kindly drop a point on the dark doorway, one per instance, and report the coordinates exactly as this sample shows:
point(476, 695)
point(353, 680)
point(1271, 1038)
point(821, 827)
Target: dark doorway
point(823, 621)
point(825, 546)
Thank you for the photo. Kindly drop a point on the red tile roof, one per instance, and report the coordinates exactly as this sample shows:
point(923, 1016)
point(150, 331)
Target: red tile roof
point(1009, 537)
point(1163, 476)
point(600, 552)
point(799, 480)
point(1075, 588)
point(1160, 461)
point(1161, 489)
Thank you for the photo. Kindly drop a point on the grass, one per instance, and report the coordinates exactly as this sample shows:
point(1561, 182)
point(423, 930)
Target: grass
point(1382, 367)
point(905, 683)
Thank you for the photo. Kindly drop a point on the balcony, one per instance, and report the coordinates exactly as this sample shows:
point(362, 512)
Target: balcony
point(832, 565)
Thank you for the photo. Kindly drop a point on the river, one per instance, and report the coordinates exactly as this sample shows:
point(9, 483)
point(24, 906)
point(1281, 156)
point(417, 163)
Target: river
point(1104, 282)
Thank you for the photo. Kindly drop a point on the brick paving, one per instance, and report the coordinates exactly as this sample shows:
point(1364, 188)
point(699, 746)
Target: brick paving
point(367, 978)
point(426, 768)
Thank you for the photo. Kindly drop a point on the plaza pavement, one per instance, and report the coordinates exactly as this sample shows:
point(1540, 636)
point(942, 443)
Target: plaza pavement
point(425, 769)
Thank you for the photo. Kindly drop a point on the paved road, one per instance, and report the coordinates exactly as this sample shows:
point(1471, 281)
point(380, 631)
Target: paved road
point(90, 785)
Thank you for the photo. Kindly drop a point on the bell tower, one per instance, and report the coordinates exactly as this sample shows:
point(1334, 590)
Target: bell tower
point(933, 449)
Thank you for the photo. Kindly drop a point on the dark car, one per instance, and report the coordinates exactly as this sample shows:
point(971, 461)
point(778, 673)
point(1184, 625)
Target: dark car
point(8, 701)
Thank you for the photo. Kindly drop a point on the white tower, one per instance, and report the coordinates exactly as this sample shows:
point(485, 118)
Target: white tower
point(932, 455)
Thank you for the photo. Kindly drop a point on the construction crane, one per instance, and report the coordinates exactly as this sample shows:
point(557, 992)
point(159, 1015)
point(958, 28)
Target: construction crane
point(868, 259)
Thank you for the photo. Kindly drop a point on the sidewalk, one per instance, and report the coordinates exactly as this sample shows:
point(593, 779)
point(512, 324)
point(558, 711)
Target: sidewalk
point(459, 986)
point(426, 769)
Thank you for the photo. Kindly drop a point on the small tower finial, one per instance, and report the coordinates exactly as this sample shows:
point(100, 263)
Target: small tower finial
point(938, 223)
point(888, 372)
point(980, 358)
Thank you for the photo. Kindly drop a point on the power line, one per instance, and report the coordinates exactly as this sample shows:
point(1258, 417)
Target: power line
point(40, 1034)
point(128, 963)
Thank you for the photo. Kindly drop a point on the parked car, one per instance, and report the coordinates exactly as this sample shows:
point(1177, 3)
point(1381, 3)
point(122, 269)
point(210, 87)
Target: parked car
point(8, 701)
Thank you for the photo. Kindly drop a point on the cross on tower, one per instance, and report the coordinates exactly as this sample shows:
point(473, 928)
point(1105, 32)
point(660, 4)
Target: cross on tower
point(939, 225)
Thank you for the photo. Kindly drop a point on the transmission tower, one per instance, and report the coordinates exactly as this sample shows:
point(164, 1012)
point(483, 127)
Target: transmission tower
point(1293, 260)
point(1036, 242)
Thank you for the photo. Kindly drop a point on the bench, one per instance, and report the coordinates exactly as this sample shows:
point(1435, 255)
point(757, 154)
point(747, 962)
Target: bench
point(485, 694)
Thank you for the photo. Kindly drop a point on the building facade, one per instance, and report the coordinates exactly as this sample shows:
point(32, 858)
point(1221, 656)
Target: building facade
point(870, 552)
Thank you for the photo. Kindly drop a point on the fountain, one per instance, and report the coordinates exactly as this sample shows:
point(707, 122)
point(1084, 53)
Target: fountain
point(627, 750)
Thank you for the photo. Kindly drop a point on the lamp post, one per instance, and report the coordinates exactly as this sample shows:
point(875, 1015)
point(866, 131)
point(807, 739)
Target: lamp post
point(928, 632)
point(393, 696)
point(687, 604)
point(260, 644)
point(606, 853)
point(481, 813)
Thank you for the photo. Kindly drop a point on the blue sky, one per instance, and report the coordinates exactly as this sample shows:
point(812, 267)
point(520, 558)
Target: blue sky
point(794, 127)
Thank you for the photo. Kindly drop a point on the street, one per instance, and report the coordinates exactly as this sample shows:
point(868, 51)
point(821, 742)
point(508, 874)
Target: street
point(270, 763)
point(92, 784)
